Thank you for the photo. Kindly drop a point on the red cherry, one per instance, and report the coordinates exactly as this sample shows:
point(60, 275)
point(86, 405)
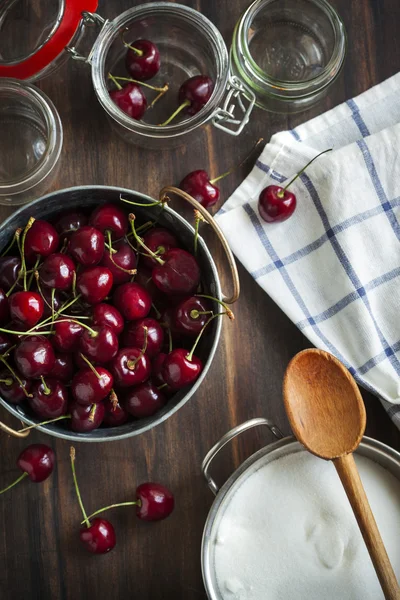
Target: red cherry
point(87, 246)
point(276, 204)
point(11, 389)
point(187, 317)
point(57, 300)
point(57, 271)
point(122, 261)
point(41, 239)
point(156, 502)
point(156, 369)
point(198, 184)
point(115, 414)
point(131, 100)
point(132, 300)
point(196, 91)
point(110, 217)
point(106, 314)
point(158, 240)
point(37, 460)
point(63, 367)
point(10, 267)
point(101, 346)
point(49, 398)
point(130, 367)
point(94, 283)
point(26, 307)
point(178, 370)
point(99, 538)
point(180, 273)
point(135, 336)
point(86, 418)
point(4, 307)
point(89, 388)
point(67, 335)
point(34, 357)
point(70, 222)
point(144, 400)
point(142, 60)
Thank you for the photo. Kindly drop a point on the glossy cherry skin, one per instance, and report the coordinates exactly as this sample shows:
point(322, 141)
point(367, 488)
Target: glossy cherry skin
point(38, 461)
point(13, 392)
point(57, 271)
point(94, 283)
point(147, 65)
point(131, 100)
point(132, 300)
point(156, 369)
point(9, 269)
point(156, 502)
point(158, 240)
point(89, 389)
point(144, 400)
point(99, 538)
point(124, 257)
point(107, 314)
point(34, 357)
point(99, 348)
point(178, 371)
point(276, 204)
point(87, 246)
point(4, 307)
point(63, 367)
point(41, 239)
point(86, 418)
point(183, 321)
point(26, 307)
point(115, 414)
point(134, 335)
point(180, 273)
point(66, 335)
point(198, 184)
point(197, 90)
point(125, 373)
point(49, 405)
point(70, 222)
point(110, 217)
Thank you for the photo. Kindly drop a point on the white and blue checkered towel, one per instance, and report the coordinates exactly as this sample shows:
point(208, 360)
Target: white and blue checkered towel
point(334, 266)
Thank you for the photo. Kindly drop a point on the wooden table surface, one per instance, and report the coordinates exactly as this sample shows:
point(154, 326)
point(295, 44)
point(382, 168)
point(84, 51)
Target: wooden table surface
point(40, 554)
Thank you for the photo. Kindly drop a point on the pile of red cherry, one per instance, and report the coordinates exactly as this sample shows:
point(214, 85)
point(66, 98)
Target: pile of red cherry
point(142, 62)
point(84, 313)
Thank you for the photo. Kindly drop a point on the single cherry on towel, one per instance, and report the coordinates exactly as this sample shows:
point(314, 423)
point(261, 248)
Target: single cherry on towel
point(194, 93)
point(142, 59)
point(36, 462)
point(276, 203)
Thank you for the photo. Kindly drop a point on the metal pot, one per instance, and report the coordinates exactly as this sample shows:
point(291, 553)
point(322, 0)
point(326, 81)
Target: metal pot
point(48, 207)
point(370, 448)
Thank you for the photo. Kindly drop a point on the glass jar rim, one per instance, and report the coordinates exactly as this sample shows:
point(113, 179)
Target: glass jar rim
point(104, 42)
point(319, 81)
point(54, 143)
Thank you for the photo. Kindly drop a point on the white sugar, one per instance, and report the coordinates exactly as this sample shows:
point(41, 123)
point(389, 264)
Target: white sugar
point(288, 533)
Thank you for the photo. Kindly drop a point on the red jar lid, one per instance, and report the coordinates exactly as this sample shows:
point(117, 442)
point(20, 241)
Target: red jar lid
point(54, 45)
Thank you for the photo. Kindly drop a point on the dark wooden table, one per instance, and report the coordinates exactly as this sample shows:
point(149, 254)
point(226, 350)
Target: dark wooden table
point(40, 555)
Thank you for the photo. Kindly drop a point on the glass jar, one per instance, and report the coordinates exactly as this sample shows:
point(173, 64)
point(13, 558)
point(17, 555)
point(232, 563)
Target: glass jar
point(288, 52)
point(31, 140)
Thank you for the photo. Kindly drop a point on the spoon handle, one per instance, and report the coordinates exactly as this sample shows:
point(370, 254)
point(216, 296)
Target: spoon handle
point(350, 478)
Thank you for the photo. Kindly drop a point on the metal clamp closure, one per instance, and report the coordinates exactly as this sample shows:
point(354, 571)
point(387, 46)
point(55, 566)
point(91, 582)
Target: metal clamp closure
point(237, 95)
point(89, 20)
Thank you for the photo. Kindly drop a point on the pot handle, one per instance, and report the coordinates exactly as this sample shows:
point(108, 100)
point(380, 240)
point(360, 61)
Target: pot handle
point(13, 432)
point(227, 438)
point(164, 195)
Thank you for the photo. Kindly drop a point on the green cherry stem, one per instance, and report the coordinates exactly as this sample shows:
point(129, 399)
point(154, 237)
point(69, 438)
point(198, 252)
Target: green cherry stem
point(198, 219)
point(46, 389)
point(23, 263)
point(101, 510)
point(13, 373)
point(89, 364)
point(145, 204)
point(131, 364)
point(78, 494)
point(115, 82)
point(136, 50)
point(44, 423)
point(176, 113)
point(20, 478)
point(282, 193)
point(170, 346)
point(111, 249)
point(7, 381)
point(242, 162)
point(158, 314)
point(225, 306)
point(11, 244)
point(141, 242)
point(164, 89)
point(189, 356)
point(194, 314)
point(33, 274)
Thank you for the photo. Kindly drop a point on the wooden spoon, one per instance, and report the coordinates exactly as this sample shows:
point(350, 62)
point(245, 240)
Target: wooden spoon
point(327, 415)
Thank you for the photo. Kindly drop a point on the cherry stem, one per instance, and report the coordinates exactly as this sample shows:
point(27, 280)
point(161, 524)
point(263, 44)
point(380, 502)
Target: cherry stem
point(17, 237)
point(33, 274)
point(74, 284)
point(8, 381)
point(47, 390)
point(92, 332)
point(13, 373)
point(114, 399)
point(44, 423)
point(151, 87)
point(20, 478)
point(101, 510)
point(242, 162)
point(190, 355)
point(145, 204)
point(198, 219)
point(158, 314)
point(170, 346)
point(39, 287)
point(85, 517)
point(282, 193)
point(176, 113)
point(141, 242)
point(160, 387)
point(89, 364)
point(11, 244)
point(92, 413)
point(23, 263)
point(115, 82)
point(147, 225)
point(163, 91)
point(129, 271)
point(131, 364)
point(225, 306)
point(57, 314)
point(136, 50)
point(194, 314)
